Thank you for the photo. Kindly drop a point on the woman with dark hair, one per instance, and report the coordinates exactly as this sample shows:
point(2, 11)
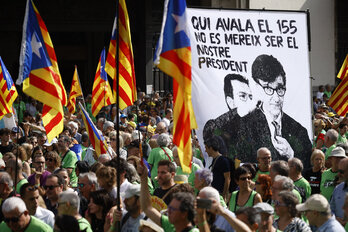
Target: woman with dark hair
point(98, 207)
point(81, 167)
point(245, 196)
point(285, 208)
point(263, 187)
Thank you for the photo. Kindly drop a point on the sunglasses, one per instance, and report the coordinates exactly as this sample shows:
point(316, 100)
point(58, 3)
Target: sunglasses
point(14, 219)
point(51, 187)
point(277, 203)
point(245, 178)
point(81, 185)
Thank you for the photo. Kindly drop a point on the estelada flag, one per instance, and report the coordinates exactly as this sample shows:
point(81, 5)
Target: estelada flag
point(75, 92)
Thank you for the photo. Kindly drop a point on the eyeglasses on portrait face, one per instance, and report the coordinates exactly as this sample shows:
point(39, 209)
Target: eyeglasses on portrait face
point(270, 91)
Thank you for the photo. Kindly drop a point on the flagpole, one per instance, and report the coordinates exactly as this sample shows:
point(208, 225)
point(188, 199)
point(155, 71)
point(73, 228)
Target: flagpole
point(78, 80)
point(117, 58)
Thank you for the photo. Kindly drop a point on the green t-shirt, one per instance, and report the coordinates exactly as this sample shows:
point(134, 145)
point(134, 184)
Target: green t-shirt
point(168, 227)
point(341, 139)
point(156, 155)
point(35, 225)
point(303, 185)
point(191, 176)
point(20, 184)
point(298, 195)
point(84, 150)
point(258, 173)
point(346, 226)
point(327, 183)
point(20, 110)
point(328, 151)
point(84, 225)
point(197, 154)
point(69, 161)
point(233, 201)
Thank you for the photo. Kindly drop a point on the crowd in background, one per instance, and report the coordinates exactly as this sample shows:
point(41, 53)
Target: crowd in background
point(64, 185)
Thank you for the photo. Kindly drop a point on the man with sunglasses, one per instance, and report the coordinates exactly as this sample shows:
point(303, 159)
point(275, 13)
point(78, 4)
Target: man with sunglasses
point(53, 187)
point(31, 197)
point(18, 219)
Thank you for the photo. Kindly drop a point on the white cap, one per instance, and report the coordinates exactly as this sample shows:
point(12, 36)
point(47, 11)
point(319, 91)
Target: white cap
point(315, 202)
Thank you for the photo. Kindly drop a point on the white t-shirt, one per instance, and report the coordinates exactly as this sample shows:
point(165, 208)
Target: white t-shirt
point(45, 215)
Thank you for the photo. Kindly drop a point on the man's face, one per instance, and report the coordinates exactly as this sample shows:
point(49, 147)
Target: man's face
point(18, 220)
point(276, 188)
point(266, 222)
point(242, 97)
point(33, 141)
point(132, 203)
point(163, 175)
point(5, 137)
point(62, 145)
point(31, 199)
point(264, 159)
point(272, 103)
point(41, 140)
point(174, 213)
point(53, 189)
point(85, 187)
point(39, 164)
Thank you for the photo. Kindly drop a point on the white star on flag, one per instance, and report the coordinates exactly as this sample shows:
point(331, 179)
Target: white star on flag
point(35, 45)
point(181, 22)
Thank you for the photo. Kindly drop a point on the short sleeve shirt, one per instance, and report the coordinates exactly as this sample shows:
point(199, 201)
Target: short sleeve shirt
point(327, 184)
point(35, 225)
point(168, 227)
point(218, 169)
point(69, 161)
point(304, 187)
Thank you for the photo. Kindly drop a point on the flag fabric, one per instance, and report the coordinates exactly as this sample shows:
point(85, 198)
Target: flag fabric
point(8, 93)
point(344, 69)
point(173, 56)
point(339, 98)
point(96, 138)
point(75, 91)
point(101, 93)
point(127, 89)
point(39, 73)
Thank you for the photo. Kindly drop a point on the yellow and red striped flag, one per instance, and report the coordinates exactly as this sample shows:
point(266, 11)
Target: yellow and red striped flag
point(8, 93)
point(344, 69)
point(339, 99)
point(39, 71)
point(127, 89)
point(101, 92)
point(75, 92)
point(173, 56)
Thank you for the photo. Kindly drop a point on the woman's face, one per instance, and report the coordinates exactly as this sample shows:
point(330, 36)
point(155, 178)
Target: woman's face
point(65, 176)
point(318, 161)
point(244, 181)
point(280, 208)
point(94, 208)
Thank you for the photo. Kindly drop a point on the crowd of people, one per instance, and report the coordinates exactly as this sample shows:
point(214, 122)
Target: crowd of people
point(64, 185)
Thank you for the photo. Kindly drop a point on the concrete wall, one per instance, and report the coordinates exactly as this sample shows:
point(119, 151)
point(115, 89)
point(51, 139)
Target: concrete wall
point(322, 23)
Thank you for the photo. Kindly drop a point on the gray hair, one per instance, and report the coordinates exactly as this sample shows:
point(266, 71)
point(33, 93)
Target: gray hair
point(287, 183)
point(72, 198)
point(264, 149)
point(206, 175)
point(297, 163)
point(281, 167)
point(163, 140)
point(91, 176)
point(210, 192)
point(332, 135)
point(5, 178)
point(73, 124)
point(13, 203)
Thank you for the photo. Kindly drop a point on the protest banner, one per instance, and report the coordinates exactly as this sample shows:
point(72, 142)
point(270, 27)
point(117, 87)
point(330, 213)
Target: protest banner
point(251, 81)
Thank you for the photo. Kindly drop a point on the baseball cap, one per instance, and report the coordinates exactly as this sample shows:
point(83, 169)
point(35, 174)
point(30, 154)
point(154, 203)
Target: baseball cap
point(263, 207)
point(180, 179)
point(315, 202)
point(123, 116)
point(133, 190)
point(338, 152)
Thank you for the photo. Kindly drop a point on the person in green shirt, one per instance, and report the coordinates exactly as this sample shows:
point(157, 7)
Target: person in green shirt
point(69, 204)
point(68, 158)
point(264, 159)
point(17, 218)
point(330, 140)
point(179, 171)
point(327, 184)
point(295, 173)
point(342, 138)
